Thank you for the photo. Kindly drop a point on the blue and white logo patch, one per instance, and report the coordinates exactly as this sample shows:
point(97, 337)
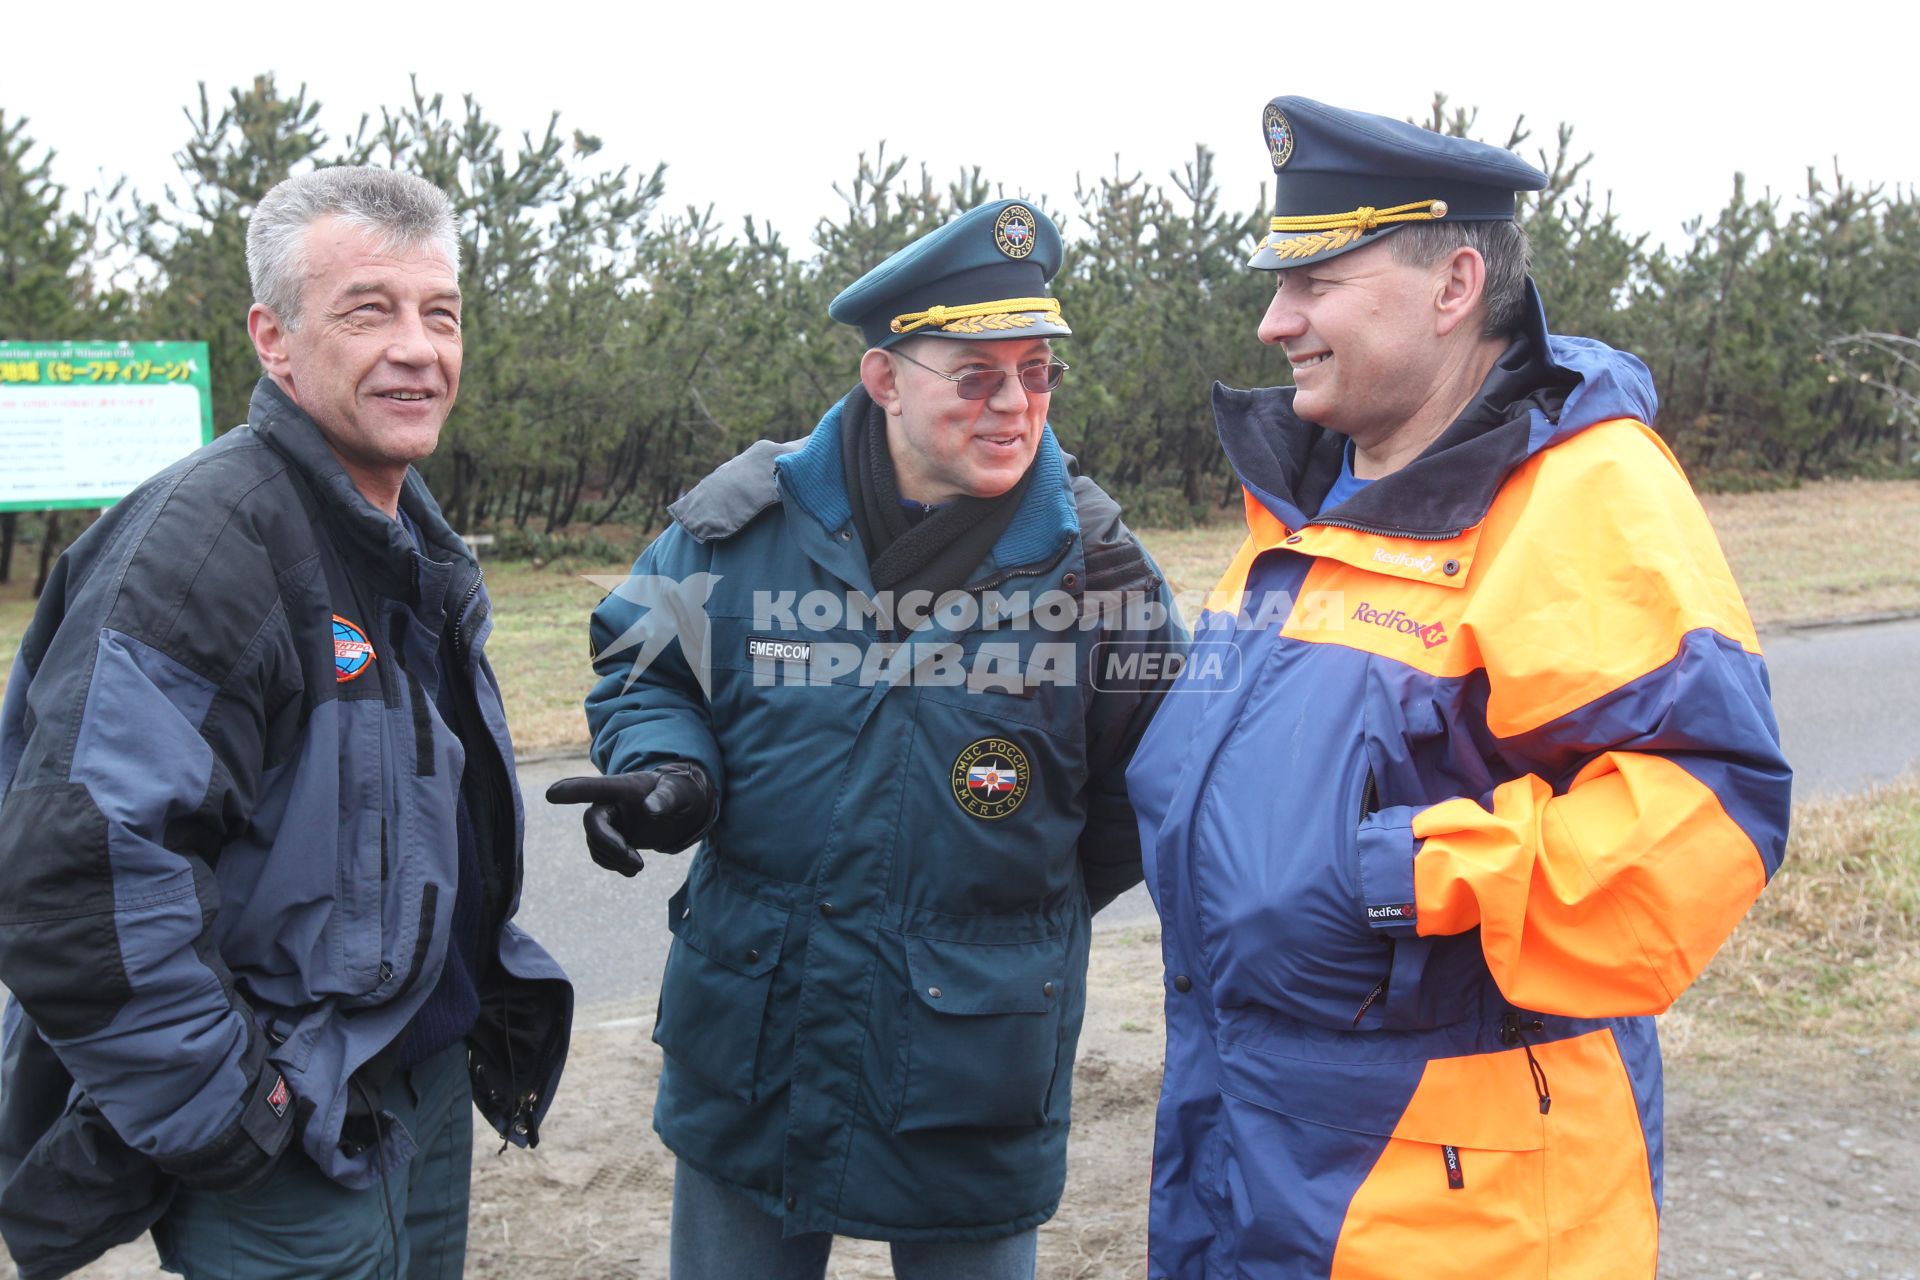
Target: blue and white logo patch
point(352, 651)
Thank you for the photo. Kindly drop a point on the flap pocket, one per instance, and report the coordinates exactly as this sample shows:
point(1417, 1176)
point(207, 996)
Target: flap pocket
point(969, 979)
point(731, 929)
point(714, 991)
point(981, 1043)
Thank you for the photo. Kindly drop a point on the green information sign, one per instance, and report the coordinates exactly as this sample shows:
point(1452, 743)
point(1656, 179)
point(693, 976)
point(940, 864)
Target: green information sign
point(82, 423)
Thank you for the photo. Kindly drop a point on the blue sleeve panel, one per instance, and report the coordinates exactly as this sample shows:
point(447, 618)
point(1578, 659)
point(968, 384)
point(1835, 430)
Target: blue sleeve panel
point(166, 1066)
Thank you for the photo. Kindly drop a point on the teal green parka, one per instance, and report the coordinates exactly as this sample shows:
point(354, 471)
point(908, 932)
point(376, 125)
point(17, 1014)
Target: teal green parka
point(877, 977)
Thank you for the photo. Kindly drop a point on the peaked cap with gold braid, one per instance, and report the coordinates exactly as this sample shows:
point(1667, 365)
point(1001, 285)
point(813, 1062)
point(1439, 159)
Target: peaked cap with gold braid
point(1343, 179)
point(982, 276)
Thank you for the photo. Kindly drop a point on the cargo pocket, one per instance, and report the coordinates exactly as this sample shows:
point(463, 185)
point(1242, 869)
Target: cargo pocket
point(981, 1039)
point(713, 995)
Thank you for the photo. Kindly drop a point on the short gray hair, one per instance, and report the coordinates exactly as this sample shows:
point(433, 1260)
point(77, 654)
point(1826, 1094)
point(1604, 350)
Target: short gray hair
point(398, 209)
point(1501, 245)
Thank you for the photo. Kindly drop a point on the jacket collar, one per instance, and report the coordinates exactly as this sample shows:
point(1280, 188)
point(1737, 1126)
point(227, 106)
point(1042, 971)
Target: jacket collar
point(377, 542)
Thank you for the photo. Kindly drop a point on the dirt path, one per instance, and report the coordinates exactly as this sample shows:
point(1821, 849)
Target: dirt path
point(1802, 1167)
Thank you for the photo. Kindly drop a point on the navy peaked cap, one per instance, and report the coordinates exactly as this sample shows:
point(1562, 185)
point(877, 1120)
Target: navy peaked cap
point(981, 276)
point(1343, 179)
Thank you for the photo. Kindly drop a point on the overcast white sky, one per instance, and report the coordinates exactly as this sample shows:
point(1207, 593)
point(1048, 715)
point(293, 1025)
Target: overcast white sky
point(758, 108)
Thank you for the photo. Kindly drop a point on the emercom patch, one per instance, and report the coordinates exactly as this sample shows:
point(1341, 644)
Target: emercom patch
point(774, 649)
point(990, 778)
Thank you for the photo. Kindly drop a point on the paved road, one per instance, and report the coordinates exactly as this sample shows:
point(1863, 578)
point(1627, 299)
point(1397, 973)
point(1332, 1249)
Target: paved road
point(1848, 700)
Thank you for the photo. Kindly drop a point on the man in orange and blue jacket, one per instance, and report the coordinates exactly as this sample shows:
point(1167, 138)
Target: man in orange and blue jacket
point(1472, 770)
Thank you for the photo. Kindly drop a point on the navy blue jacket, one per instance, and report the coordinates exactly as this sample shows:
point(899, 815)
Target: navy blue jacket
point(227, 846)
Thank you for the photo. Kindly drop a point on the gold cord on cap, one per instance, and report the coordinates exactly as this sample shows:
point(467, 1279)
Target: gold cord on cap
point(1365, 218)
point(976, 316)
point(1338, 230)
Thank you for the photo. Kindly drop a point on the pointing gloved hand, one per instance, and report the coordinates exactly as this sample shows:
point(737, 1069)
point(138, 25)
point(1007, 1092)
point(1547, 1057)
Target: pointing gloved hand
point(662, 808)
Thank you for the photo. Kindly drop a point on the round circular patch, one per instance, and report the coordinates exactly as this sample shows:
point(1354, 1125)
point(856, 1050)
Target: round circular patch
point(352, 651)
point(1015, 230)
point(1279, 135)
point(990, 778)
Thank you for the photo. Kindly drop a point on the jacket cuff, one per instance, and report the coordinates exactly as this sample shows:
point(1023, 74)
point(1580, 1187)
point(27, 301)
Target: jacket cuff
point(703, 778)
point(1384, 853)
point(246, 1150)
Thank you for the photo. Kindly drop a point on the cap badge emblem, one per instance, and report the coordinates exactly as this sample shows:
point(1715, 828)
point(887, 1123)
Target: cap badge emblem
point(1279, 135)
point(1013, 231)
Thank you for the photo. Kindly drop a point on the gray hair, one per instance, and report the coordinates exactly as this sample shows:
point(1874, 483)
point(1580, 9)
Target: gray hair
point(1501, 245)
point(398, 209)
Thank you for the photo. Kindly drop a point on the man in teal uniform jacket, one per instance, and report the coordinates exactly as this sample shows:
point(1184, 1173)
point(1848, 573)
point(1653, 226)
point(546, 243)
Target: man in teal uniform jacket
point(864, 667)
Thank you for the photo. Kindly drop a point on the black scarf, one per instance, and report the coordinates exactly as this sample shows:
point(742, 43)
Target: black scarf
point(936, 555)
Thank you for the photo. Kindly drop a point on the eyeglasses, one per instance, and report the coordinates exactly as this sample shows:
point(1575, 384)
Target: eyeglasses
point(984, 384)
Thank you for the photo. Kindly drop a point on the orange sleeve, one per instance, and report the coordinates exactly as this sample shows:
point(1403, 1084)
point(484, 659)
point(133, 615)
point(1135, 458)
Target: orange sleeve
point(1622, 665)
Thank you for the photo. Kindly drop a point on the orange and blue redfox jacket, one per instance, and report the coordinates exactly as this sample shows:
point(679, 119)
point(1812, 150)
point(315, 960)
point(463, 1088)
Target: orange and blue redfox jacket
point(1464, 779)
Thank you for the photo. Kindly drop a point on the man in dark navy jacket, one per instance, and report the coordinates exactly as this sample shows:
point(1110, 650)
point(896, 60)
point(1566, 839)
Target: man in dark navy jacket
point(259, 847)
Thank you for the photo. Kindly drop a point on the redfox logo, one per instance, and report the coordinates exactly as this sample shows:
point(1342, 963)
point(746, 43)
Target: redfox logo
point(1405, 559)
point(1430, 633)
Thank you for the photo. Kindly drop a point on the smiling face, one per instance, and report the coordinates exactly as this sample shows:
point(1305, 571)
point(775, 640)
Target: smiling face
point(943, 446)
point(375, 359)
point(1363, 335)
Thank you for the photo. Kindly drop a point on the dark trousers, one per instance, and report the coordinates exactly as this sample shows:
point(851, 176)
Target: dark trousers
point(301, 1225)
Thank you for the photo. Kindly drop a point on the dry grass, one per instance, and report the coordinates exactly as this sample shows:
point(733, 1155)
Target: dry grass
point(1831, 952)
point(539, 648)
point(16, 609)
point(1832, 549)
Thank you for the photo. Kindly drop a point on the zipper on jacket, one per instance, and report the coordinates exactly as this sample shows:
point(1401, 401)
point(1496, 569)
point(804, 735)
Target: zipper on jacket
point(1018, 570)
point(1512, 1032)
point(460, 614)
point(1369, 802)
point(497, 882)
point(1384, 533)
point(1379, 990)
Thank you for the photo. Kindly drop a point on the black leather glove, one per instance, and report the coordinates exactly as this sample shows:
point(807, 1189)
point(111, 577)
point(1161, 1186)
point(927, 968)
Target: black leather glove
point(664, 808)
